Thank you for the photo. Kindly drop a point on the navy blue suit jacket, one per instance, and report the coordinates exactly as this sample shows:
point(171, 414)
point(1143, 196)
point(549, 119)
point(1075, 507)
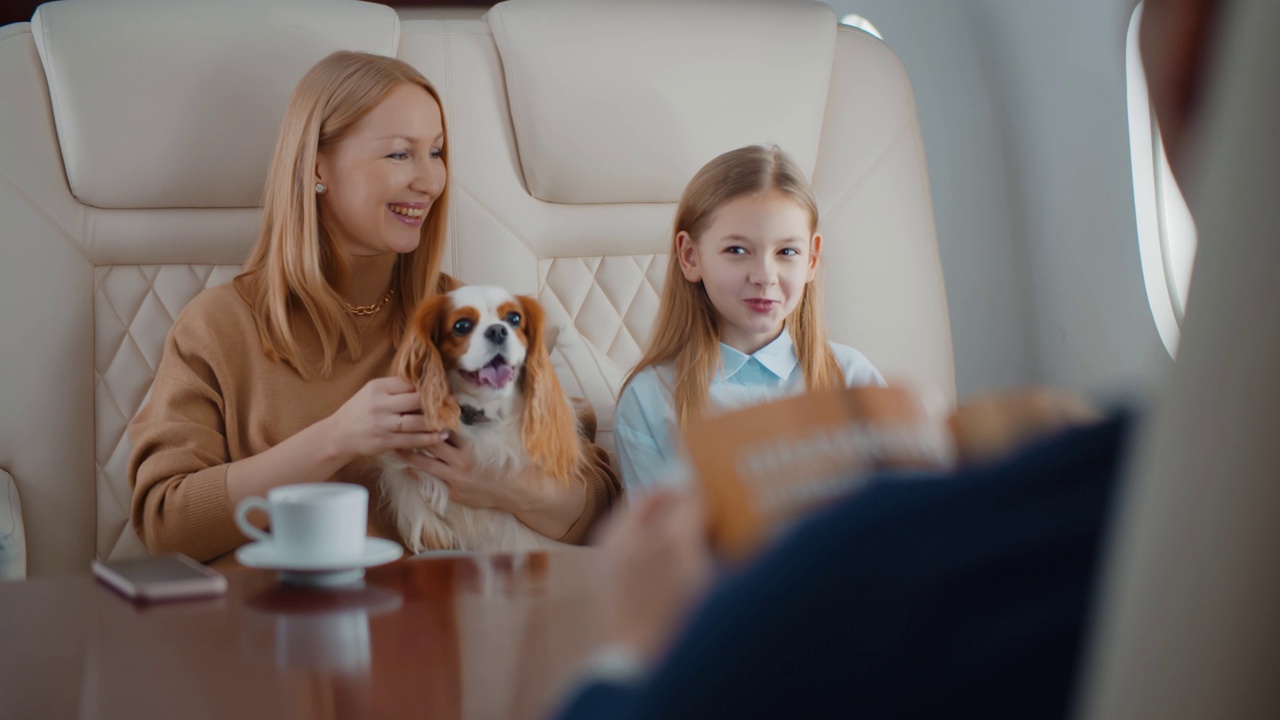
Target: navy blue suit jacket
point(947, 596)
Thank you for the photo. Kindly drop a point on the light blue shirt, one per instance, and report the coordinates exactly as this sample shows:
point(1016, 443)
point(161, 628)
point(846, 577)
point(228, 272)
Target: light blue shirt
point(645, 424)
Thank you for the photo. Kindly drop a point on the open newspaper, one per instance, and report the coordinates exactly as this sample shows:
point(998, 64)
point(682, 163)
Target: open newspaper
point(761, 467)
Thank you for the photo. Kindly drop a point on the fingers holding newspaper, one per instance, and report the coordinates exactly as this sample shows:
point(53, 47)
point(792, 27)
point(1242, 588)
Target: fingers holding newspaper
point(658, 565)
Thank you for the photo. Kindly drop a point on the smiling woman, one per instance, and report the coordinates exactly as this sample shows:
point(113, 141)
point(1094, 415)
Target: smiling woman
point(281, 376)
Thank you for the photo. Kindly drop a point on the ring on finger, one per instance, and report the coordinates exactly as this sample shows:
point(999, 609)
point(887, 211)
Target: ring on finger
point(400, 423)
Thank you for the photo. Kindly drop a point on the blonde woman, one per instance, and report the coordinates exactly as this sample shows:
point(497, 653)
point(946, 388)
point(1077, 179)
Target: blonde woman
point(281, 376)
point(744, 264)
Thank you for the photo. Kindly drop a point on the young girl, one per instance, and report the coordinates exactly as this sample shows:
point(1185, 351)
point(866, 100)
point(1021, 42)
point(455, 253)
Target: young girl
point(743, 267)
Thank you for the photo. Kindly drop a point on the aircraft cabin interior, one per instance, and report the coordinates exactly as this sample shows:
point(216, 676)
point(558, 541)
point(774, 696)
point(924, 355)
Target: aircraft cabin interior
point(413, 359)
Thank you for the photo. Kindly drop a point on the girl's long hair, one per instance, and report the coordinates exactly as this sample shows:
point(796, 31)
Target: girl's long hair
point(686, 334)
point(296, 264)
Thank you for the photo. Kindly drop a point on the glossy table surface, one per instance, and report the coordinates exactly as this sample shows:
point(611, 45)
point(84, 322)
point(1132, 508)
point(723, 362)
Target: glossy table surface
point(449, 637)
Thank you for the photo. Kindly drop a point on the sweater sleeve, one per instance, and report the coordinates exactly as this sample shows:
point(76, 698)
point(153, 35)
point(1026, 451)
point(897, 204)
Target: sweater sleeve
point(603, 490)
point(603, 485)
point(178, 467)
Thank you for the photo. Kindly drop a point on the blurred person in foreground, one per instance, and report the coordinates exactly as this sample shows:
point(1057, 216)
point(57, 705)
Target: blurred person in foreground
point(958, 595)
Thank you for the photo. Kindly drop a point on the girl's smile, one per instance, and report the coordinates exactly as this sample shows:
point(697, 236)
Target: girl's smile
point(761, 305)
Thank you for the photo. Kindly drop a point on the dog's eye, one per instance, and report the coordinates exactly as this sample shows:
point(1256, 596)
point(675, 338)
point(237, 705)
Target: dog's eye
point(463, 327)
point(513, 319)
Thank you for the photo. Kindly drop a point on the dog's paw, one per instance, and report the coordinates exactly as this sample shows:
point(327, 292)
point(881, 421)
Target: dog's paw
point(431, 534)
point(439, 537)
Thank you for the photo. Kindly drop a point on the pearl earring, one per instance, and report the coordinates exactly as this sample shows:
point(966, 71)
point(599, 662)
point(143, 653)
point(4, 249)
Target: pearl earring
point(320, 188)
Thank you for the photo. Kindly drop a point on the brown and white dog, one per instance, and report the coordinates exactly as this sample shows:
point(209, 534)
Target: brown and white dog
point(479, 360)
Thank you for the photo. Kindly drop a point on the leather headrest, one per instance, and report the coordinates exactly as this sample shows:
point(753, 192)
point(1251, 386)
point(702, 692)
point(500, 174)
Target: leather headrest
point(179, 105)
point(616, 102)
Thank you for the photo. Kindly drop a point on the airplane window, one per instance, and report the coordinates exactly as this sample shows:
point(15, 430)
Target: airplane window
point(1166, 232)
point(855, 20)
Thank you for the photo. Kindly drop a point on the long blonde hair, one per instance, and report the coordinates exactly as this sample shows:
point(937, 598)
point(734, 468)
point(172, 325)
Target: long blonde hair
point(296, 263)
point(686, 334)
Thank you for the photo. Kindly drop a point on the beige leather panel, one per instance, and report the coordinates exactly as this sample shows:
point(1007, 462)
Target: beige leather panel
point(170, 236)
point(610, 301)
point(186, 62)
point(29, 156)
point(605, 307)
point(884, 287)
point(46, 331)
point(622, 102)
point(133, 309)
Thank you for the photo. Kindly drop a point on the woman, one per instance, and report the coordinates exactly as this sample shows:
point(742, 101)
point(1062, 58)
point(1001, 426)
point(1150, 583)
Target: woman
point(278, 377)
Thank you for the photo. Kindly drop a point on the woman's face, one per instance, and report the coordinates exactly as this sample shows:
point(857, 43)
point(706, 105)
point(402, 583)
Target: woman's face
point(383, 176)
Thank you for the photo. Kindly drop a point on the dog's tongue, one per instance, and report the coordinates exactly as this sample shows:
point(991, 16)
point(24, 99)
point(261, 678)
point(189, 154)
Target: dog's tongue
point(495, 376)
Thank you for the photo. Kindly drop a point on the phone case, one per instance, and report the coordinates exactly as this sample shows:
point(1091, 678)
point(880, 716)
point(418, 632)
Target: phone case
point(200, 581)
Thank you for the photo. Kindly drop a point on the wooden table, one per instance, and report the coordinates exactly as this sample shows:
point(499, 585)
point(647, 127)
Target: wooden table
point(443, 638)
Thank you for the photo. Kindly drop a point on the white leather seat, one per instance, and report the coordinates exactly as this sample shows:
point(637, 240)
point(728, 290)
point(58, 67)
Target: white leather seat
point(136, 133)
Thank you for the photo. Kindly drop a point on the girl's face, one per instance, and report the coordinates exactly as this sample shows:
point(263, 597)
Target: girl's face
point(384, 175)
point(754, 259)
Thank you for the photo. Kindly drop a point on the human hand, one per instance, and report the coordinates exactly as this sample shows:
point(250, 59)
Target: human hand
point(995, 424)
point(657, 565)
point(453, 460)
point(385, 414)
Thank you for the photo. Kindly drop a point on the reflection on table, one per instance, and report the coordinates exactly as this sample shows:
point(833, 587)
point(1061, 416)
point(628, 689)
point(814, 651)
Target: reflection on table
point(447, 637)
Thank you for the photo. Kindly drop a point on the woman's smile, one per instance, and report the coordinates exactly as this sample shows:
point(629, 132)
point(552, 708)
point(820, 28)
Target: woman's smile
point(411, 214)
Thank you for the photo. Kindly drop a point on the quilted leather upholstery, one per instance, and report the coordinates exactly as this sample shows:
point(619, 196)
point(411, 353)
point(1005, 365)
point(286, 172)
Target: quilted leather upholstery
point(98, 255)
point(133, 308)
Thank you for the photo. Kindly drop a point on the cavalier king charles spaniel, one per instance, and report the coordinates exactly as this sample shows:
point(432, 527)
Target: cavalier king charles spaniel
point(479, 360)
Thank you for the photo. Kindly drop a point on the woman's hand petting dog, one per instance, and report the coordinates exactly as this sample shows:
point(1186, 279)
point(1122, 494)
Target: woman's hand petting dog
point(453, 461)
point(383, 415)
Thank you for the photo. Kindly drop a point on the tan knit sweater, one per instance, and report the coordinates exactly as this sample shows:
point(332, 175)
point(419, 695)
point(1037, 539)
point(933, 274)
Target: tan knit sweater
point(217, 398)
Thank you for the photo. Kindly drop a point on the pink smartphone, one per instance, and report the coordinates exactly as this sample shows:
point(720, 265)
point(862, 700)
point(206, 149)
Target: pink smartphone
point(165, 577)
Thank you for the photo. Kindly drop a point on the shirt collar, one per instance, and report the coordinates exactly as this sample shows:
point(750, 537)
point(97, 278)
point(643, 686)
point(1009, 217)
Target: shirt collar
point(778, 357)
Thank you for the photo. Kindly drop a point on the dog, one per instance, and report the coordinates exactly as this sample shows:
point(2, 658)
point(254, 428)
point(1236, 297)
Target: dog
point(478, 358)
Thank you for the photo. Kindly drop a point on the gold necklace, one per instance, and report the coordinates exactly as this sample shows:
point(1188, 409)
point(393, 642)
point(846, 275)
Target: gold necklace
point(371, 309)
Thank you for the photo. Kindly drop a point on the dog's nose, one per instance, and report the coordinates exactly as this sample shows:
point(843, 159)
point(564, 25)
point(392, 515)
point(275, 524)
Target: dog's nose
point(496, 333)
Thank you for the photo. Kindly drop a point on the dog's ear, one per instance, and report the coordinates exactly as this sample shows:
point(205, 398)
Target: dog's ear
point(548, 424)
point(418, 361)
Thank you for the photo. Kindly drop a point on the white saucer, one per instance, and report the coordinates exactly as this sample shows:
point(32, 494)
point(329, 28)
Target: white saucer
point(447, 554)
point(324, 573)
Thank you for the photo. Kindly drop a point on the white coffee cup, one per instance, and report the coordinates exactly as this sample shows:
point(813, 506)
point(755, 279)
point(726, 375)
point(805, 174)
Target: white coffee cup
point(311, 522)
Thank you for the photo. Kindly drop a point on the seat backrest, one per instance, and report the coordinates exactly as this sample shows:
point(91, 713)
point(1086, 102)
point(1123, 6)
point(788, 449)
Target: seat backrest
point(136, 136)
